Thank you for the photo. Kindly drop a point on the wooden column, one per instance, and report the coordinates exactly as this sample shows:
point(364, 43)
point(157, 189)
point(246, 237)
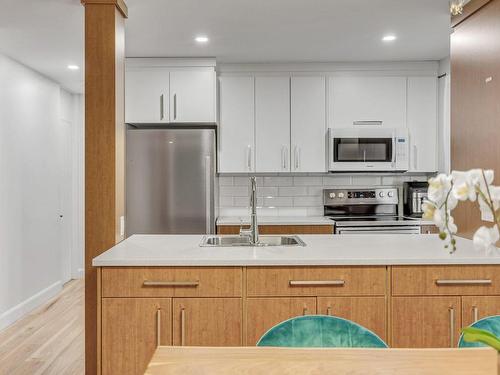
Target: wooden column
point(475, 97)
point(104, 149)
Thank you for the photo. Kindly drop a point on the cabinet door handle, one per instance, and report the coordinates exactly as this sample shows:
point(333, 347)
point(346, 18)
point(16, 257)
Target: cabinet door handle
point(316, 282)
point(175, 106)
point(415, 162)
point(249, 157)
point(475, 313)
point(463, 282)
point(329, 310)
point(158, 327)
point(304, 311)
point(183, 326)
point(296, 157)
point(452, 326)
point(283, 164)
point(162, 108)
point(170, 283)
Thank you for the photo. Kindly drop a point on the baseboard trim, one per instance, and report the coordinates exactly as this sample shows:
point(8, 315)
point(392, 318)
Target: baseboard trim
point(17, 312)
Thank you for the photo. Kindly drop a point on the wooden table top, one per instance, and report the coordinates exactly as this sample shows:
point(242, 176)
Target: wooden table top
point(169, 360)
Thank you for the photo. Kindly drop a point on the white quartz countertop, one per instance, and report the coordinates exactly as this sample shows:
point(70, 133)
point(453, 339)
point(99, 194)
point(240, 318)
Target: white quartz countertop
point(291, 220)
point(276, 220)
point(364, 249)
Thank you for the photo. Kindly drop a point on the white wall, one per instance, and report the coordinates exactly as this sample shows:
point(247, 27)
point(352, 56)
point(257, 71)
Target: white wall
point(33, 143)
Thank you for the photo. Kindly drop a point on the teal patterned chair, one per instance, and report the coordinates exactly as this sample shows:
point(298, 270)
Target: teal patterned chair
point(490, 324)
point(320, 331)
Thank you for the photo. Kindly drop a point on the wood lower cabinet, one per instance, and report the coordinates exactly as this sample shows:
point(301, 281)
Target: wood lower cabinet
point(478, 307)
point(370, 312)
point(279, 229)
point(264, 313)
point(425, 322)
point(207, 321)
point(131, 328)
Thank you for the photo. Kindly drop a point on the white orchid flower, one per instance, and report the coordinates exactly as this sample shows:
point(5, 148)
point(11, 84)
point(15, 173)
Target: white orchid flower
point(428, 209)
point(463, 187)
point(485, 238)
point(439, 187)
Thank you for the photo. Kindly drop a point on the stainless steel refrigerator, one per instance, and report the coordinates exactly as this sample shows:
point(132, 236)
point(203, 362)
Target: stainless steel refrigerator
point(170, 175)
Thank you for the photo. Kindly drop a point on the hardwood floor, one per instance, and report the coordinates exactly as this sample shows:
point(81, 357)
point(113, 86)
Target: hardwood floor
point(50, 340)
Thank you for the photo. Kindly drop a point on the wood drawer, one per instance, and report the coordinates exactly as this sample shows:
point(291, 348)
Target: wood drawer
point(315, 281)
point(445, 280)
point(172, 282)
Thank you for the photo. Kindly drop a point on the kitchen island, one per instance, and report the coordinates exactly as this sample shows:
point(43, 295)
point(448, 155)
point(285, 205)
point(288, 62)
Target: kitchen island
point(167, 290)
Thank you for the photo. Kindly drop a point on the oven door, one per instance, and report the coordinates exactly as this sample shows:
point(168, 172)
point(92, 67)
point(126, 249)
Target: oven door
point(406, 229)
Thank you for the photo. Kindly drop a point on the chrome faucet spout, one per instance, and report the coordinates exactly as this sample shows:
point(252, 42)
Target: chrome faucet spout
point(253, 232)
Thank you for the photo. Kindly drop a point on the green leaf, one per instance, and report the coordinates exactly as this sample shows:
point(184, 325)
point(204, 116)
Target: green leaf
point(472, 334)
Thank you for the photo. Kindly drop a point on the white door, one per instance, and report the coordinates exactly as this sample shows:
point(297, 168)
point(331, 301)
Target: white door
point(272, 124)
point(422, 123)
point(192, 96)
point(146, 95)
point(236, 126)
point(308, 124)
point(65, 197)
point(367, 101)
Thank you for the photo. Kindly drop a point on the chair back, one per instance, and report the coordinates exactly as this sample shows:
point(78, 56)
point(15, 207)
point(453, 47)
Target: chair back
point(490, 324)
point(320, 331)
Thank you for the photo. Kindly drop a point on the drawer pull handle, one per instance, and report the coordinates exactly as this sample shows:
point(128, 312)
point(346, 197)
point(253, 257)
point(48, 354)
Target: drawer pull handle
point(183, 327)
point(329, 310)
point(463, 282)
point(452, 326)
point(158, 327)
point(316, 282)
point(305, 310)
point(170, 283)
point(475, 313)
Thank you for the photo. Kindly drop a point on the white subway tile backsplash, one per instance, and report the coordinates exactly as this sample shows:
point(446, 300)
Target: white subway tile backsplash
point(278, 181)
point(336, 181)
point(225, 181)
point(225, 201)
point(308, 181)
point(292, 195)
point(278, 202)
point(307, 201)
point(267, 191)
point(291, 191)
point(366, 180)
point(235, 191)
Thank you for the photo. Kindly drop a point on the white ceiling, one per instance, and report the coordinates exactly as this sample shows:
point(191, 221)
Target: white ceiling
point(47, 35)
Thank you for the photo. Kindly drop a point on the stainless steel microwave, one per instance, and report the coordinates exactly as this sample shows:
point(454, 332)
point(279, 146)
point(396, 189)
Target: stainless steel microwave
point(368, 150)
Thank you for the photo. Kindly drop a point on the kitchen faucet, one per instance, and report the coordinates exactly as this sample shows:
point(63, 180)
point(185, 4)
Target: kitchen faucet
point(253, 232)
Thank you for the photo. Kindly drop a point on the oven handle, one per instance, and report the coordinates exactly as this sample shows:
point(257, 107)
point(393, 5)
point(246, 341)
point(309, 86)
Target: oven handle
point(393, 148)
point(390, 230)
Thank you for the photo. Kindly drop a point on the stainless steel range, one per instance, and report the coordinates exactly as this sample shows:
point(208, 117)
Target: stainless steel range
point(367, 211)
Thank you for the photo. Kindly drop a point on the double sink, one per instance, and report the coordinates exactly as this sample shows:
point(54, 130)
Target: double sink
point(230, 241)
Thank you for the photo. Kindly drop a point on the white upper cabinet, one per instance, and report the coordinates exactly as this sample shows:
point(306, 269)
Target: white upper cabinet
point(308, 124)
point(272, 120)
point(192, 95)
point(422, 123)
point(236, 126)
point(367, 101)
point(146, 95)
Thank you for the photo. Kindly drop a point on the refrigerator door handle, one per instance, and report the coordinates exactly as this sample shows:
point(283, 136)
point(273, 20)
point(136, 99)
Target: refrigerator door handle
point(208, 195)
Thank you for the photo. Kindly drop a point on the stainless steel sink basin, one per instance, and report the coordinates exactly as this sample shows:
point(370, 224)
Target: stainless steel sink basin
point(228, 241)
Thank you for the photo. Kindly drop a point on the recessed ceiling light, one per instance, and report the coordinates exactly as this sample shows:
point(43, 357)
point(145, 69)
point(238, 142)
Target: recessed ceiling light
point(73, 67)
point(201, 39)
point(389, 38)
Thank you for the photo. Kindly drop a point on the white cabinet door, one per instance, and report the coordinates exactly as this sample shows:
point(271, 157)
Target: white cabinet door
point(422, 123)
point(192, 95)
point(272, 120)
point(236, 126)
point(308, 124)
point(367, 101)
point(146, 95)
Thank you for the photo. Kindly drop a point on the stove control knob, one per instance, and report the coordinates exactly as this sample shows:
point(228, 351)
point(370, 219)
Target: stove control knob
point(341, 195)
point(390, 194)
point(381, 194)
point(332, 195)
